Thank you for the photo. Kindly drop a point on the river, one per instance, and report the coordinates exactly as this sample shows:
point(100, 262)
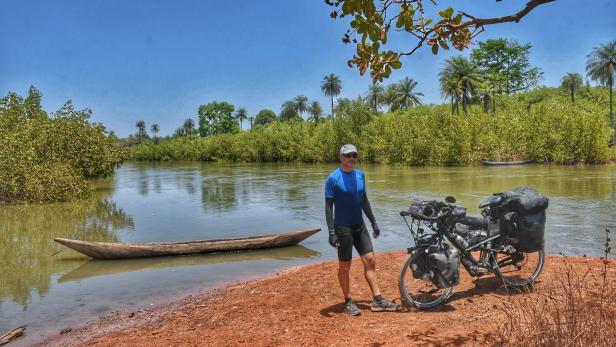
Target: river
point(150, 202)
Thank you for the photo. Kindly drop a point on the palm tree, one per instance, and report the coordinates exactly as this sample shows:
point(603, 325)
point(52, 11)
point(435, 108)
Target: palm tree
point(465, 73)
point(572, 81)
point(155, 129)
point(486, 92)
point(288, 111)
point(250, 119)
point(301, 104)
point(601, 67)
point(405, 96)
point(241, 115)
point(390, 97)
point(316, 111)
point(189, 127)
point(451, 88)
point(140, 129)
point(376, 94)
point(331, 86)
point(342, 104)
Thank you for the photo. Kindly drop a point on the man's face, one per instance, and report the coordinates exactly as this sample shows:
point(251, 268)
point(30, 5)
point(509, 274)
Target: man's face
point(349, 159)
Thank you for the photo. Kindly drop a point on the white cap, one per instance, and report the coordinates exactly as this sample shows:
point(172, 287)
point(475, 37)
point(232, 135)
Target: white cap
point(348, 148)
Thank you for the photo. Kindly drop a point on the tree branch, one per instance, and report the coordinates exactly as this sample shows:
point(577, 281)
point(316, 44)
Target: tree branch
point(478, 23)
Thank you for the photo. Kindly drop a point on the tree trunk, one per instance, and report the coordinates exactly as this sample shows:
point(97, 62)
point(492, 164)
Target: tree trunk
point(452, 109)
point(611, 107)
point(612, 113)
point(332, 106)
point(572, 96)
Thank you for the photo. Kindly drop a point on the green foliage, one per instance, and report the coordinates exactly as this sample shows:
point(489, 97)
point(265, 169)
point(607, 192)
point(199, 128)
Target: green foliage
point(289, 112)
point(331, 86)
point(241, 115)
point(47, 159)
point(460, 79)
point(551, 131)
point(264, 116)
point(217, 118)
point(141, 132)
point(316, 111)
point(572, 82)
point(402, 95)
point(506, 65)
point(601, 67)
point(371, 21)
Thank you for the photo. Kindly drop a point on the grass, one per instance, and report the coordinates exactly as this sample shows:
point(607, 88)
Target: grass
point(579, 309)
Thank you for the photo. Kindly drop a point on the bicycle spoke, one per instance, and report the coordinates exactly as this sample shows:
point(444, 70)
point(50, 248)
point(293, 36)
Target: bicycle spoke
point(519, 269)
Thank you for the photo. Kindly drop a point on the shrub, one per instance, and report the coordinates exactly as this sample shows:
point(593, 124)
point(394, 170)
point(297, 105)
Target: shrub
point(550, 131)
point(44, 158)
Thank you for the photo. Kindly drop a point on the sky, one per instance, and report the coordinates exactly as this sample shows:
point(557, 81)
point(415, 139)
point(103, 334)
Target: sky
point(158, 61)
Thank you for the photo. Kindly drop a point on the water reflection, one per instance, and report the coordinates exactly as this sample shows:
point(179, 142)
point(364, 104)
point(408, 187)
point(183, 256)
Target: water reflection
point(95, 268)
point(218, 194)
point(26, 240)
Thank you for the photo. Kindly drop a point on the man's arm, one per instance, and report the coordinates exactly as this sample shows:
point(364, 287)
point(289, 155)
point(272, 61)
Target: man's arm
point(329, 218)
point(368, 211)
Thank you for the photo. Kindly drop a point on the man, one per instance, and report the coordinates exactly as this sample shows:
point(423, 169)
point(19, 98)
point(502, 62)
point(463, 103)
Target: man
point(345, 188)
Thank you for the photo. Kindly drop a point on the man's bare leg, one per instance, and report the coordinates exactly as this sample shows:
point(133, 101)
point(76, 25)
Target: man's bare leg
point(369, 261)
point(344, 268)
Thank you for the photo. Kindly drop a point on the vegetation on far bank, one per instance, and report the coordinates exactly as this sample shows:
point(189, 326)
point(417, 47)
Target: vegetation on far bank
point(495, 112)
point(50, 158)
point(542, 125)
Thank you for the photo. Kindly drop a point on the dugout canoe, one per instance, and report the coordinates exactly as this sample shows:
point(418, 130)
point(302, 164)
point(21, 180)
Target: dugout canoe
point(504, 163)
point(109, 250)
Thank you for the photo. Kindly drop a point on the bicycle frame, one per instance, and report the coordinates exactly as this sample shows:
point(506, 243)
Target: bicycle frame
point(446, 231)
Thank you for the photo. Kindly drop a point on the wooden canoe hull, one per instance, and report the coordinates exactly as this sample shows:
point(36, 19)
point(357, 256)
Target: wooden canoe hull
point(505, 163)
point(108, 250)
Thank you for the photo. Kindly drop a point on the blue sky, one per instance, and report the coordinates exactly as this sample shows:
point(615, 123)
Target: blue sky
point(159, 60)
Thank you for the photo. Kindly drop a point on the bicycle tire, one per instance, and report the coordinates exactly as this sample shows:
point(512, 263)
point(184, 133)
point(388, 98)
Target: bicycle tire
point(405, 294)
point(527, 282)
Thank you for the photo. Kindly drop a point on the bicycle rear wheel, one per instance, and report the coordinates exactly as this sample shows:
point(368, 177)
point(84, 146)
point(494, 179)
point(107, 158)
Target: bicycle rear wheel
point(420, 292)
point(518, 269)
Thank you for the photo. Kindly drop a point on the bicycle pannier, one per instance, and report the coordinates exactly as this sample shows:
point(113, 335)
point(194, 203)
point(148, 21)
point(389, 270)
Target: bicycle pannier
point(525, 219)
point(445, 266)
point(419, 267)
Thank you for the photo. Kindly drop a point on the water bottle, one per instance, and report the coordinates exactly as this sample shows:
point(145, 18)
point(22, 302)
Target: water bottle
point(460, 241)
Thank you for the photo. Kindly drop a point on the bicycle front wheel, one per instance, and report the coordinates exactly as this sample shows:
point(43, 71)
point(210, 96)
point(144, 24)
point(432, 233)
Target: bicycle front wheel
point(417, 289)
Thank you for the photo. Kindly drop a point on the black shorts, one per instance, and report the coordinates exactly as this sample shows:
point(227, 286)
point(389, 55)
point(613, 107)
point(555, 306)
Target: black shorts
point(352, 235)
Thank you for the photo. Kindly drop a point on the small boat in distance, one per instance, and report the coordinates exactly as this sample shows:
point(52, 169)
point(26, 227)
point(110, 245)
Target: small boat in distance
point(108, 250)
point(503, 163)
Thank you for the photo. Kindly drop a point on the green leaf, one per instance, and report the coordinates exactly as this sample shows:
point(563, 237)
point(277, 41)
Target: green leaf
point(446, 13)
point(435, 49)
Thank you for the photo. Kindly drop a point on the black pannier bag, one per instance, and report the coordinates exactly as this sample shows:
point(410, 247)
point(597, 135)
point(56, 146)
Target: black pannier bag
point(445, 266)
point(420, 265)
point(524, 219)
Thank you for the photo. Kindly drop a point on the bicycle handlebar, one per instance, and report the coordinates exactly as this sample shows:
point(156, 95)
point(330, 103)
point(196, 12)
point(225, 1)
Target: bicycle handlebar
point(424, 217)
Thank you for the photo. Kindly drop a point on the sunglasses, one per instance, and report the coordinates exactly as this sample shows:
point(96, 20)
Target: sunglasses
point(350, 155)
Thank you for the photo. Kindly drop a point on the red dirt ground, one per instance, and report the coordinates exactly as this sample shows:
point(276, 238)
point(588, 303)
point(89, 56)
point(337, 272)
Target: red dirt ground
point(302, 306)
